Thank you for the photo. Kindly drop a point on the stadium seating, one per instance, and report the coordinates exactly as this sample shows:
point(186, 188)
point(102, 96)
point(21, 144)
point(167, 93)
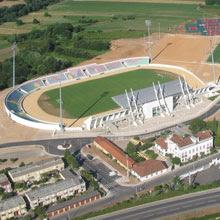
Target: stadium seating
point(74, 73)
point(28, 87)
point(15, 96)
point(137, 61)
point(12, 107)
point(115, 65)
point(26, 117)
point(95, 69)
point(56, 78)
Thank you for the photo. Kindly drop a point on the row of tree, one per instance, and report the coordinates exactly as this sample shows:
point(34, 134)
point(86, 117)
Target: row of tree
point(212, 2)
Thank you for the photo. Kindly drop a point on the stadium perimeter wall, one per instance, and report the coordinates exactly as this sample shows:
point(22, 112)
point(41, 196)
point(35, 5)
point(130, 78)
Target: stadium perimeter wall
point(39, 124)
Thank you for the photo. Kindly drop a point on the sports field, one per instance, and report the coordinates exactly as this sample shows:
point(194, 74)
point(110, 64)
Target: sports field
point(92, 97)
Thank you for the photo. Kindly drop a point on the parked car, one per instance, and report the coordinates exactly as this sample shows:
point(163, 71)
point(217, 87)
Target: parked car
point(89, 156)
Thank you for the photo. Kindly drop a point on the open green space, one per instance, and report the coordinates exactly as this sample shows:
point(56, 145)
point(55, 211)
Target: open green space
point(92, 97)
point(216, 55)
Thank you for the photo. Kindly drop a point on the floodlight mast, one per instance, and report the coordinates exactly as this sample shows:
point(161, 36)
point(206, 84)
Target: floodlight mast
point(213, 63)
point(13, 77)
point(61, 111)
point(148, 23)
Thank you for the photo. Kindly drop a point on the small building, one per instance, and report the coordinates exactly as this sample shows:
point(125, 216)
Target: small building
point(34, 171)
point(5, 183)
point(117, 154)
point(12, 207)
point(51, 193)
point(148, 168)
point(73, 203)
point(185, 147)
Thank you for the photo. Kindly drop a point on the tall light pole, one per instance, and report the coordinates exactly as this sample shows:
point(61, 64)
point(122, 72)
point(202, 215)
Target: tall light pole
point(13, 77)
point(61, 112)
point(148, 24)
point(159, 30)
point(213, 63)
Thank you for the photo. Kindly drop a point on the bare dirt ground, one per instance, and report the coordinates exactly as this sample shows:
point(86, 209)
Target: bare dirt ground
point(26, 154)
point(188, 51)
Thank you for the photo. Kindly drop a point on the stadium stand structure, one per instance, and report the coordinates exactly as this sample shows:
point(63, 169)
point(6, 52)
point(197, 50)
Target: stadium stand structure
point(207, 27)
point(14, 99)
point(74, 73)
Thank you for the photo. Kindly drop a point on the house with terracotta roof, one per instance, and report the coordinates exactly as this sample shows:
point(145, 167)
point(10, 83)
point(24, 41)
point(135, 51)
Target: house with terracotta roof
point(117, 154)
point(185, 147)
point(148, 169)
point(142, 170)
point(5, 183)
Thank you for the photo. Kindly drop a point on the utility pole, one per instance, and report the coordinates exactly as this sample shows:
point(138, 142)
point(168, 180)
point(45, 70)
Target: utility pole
point(144, 44)
point(213, 63)
point(13, 49)
point(159, 30)
point(148, 23)
point(127, 166)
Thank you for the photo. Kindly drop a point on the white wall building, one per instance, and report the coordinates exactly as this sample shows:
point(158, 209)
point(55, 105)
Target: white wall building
point(185, 147)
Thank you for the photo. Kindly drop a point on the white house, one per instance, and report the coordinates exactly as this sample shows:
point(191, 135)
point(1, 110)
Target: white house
point(185, 147)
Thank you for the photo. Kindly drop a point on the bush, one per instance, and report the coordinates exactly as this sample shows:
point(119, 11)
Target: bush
point(13, 160)
point(35, 21)
point(19, 22)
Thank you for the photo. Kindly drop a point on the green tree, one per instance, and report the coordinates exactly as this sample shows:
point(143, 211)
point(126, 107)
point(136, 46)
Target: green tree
point(22, 164)
point(217, 136)
point(35, 21)
point(176, 160)
point(213, 125)
point(40, 212)
point(197, 125)
point(19, 22)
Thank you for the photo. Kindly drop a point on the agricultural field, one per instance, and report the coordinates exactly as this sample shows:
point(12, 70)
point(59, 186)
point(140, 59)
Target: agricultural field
point(216, 55)
point(110, 16)
point(92, 97)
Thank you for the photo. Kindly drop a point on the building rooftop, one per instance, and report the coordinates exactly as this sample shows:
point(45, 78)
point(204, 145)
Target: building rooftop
point(53, 188)
point(146, 95)
point(11, 203)
point(73, 201)
point(161, 142)
point(114, 151)
point(35, 167)
point(202, 135)
point(147, 167)
point(68, 174)
point(4, 180)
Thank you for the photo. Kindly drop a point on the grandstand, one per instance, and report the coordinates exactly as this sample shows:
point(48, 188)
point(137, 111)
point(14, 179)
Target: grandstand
point(32, 85)
point(116, 65)
point(15, 96)
point(75, 73)
point(139, 61)
point(54, 79)
point(96, 69)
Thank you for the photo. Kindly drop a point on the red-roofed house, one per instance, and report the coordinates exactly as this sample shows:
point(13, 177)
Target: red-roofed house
point(148, 169)
point(185, 147)
point(5, 183)
point(117, 154)
point(143, 170)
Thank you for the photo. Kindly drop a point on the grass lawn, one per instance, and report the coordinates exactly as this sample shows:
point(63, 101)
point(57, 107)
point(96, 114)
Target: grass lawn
point(216, 55)
point(92, 97)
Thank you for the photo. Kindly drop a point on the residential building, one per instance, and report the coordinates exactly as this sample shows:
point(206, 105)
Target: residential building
point(12, 207)
point(185, 147)
point(143, 170)
point(148, 169)
point(117, 154)
point(5, 183)
point(34, 171)
point(53, 192)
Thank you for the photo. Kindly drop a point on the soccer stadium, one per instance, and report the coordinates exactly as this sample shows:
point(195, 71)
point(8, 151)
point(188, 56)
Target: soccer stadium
point(130, 106)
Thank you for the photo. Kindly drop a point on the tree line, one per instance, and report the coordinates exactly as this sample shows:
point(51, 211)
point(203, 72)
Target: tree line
point(14, 12)
point(40, 51)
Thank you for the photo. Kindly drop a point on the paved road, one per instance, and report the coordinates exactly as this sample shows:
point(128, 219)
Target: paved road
point(170, 207)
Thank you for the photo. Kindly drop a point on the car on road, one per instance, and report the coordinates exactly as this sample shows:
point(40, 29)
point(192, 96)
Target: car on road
point(89, 156)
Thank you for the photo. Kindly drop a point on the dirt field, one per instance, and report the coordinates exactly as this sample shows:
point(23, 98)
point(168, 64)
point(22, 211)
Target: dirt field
point(182, 50)
point(23, 154)
point(10, 3)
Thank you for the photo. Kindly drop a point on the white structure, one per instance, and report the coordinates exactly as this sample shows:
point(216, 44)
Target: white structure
point(185, 147)
point(148, 168)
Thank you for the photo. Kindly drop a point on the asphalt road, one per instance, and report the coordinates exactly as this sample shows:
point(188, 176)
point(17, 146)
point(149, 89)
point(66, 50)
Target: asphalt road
point(170, 207)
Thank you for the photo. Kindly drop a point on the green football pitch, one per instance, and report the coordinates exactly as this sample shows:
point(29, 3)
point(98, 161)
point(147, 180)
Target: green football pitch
point(94, 96)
